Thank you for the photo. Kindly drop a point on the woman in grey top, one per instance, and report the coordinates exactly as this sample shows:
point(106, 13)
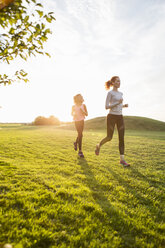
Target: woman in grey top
point(114, 102)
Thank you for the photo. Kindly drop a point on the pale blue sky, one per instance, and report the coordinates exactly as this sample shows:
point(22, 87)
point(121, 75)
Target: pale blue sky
point(93, 40)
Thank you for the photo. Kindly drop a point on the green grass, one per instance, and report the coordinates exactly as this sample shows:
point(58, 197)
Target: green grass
point(51, 198)
point(131, 123)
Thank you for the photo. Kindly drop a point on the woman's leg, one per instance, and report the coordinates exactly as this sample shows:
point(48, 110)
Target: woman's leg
point(80, 134)
point(110, 130)
point(76, 142)
point(79, 126)
point(121, 129)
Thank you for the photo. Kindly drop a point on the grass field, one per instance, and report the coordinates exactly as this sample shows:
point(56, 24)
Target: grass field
point(51, 198)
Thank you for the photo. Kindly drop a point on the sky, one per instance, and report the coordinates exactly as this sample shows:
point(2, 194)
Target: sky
point(92, 41)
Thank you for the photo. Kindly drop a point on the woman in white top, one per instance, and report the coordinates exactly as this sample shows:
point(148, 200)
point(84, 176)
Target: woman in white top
point(114, 102)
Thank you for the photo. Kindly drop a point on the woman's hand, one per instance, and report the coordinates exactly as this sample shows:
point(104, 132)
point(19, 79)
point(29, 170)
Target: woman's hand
point(125, 105)
point(84, 110)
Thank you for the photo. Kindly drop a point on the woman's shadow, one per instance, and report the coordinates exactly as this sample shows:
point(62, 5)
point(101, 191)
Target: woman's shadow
point(116, 221)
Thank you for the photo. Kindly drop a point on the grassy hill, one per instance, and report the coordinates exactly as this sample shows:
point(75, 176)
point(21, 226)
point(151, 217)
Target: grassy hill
point(131, 123)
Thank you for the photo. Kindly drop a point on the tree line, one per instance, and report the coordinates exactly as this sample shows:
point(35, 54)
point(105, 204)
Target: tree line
point(41, 120)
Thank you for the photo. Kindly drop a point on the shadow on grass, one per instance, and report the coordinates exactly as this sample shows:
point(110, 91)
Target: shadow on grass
point(3, 163)
point(152, 182)
point(126, 231)
point(145, 201)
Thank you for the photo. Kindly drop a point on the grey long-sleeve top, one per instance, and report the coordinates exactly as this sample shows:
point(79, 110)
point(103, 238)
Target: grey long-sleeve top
point(112, 102)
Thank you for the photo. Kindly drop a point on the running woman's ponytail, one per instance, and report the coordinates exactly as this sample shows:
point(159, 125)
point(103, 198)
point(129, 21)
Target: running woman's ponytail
point(110, 82)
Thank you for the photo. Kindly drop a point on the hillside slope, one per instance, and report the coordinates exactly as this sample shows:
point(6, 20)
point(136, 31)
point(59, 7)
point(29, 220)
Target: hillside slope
point(131, 123)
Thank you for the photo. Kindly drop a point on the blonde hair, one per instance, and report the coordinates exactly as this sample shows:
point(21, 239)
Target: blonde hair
point(77, 99)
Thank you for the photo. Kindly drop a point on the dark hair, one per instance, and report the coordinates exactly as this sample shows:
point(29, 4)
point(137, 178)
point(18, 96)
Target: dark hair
point(110, 82)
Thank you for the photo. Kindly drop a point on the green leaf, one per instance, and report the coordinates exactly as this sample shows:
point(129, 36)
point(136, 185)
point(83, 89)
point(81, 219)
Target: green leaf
point(11, 31)
point(38, 26)
point(43, 25)
point(26, 80)
point(39, 4)
point(47, 31)
point(26, 19)
point(23, 56)
point(40, 13)
point(48, 19)
point(30, 38)
point(47, 54)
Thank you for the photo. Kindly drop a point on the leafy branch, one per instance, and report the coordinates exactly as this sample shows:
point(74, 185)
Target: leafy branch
point(25, 30)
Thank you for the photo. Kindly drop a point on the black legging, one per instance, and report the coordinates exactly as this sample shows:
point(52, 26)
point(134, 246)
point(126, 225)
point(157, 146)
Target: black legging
point(111, 121)
point(79, 127)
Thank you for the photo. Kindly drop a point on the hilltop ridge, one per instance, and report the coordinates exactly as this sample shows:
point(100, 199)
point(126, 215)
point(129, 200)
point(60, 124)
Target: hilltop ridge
point(131, 123)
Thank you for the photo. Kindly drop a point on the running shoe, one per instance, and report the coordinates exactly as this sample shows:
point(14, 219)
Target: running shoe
point(124, 163)
point(75, 146)
point(81, 155)
point(97, 150)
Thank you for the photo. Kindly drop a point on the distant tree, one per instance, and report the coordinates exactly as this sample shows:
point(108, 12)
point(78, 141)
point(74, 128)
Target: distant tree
point(53, 120)
point(41, 120)
point(23, 23)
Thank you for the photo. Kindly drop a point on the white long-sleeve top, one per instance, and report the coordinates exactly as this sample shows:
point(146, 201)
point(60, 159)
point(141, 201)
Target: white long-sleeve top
point(112, 102)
